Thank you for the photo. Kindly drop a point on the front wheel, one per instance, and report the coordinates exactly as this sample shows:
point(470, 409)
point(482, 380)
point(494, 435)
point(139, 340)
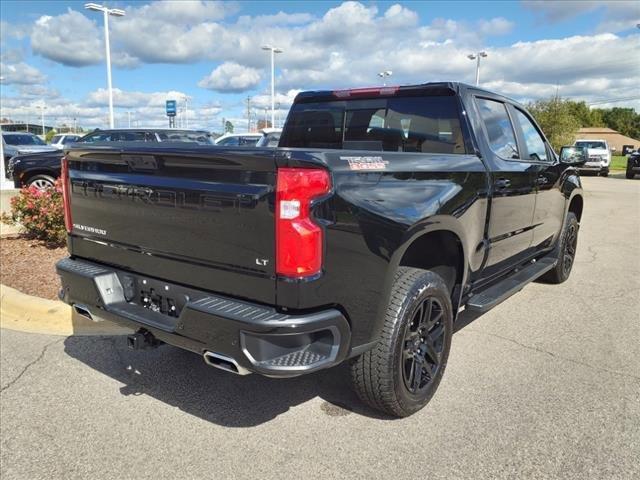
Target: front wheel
point(402, 372)
point(629, 173)
point(566, 252)
point(41, 182)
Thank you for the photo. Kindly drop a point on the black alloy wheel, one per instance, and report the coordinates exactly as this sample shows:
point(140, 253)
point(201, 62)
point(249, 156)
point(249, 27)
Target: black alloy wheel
point(423, 346)
point(570, 246)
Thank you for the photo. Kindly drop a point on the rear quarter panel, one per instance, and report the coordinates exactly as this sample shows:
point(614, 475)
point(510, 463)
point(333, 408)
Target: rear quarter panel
point(372, 218)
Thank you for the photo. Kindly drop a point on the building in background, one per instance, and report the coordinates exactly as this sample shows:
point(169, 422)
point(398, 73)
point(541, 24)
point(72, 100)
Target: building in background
point(614, 139)
point(34, 128)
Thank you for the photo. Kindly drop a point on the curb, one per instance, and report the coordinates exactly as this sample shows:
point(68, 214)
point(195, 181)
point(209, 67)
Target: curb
point(27, 313)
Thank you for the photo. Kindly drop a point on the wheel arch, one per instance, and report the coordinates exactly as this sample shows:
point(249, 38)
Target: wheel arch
point(576, 204)
point(436, 231)
point(29, 174)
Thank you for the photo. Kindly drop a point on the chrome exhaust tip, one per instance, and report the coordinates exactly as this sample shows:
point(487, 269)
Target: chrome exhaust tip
point(224, 362)
point(83, 310)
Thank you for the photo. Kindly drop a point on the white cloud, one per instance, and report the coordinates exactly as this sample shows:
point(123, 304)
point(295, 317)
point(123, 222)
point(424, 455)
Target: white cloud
point(20, 74)
point(70, 39)
point(617, 16)
point(231, 77)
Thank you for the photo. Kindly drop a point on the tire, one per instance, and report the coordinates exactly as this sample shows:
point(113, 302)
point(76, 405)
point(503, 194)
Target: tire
point(629, 173)
point(566, 255)
point(41, 182)
point(416, 335)
point(605, 173)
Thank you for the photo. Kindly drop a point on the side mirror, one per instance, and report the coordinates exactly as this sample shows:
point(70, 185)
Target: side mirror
point(572, 155)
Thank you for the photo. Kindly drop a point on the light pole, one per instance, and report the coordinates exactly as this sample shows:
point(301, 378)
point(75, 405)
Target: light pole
point(273, 50)
point(186, 111)
point(116, 12)
point(477, 56)
point(384, 75)
point(42, 109)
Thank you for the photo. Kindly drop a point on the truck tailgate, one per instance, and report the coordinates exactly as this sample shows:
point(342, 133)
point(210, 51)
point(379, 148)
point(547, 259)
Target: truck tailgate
point(199, 215)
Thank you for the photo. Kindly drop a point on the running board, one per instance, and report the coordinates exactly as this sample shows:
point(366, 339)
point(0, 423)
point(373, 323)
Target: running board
point(498, 293)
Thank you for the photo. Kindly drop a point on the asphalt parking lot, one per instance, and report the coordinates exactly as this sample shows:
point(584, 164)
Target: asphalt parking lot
point(545, 385)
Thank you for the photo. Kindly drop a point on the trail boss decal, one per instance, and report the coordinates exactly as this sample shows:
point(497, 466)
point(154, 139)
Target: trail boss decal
point(365, 163)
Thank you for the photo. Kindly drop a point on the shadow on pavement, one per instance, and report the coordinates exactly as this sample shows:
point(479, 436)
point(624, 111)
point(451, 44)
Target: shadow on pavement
point(182, 379)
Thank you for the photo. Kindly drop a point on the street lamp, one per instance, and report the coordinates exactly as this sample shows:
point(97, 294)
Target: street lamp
point(273, 51)
point(477, 56)
point(42, 109)
point(116, 12)
point(384, 75)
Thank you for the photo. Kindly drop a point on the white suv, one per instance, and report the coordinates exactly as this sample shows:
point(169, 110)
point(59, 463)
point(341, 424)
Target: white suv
point(599, 156)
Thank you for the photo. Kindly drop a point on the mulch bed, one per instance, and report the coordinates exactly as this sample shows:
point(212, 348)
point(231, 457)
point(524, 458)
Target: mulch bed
point(29, 266)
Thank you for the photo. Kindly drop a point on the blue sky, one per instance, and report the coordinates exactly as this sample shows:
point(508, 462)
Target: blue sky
point(210, 52)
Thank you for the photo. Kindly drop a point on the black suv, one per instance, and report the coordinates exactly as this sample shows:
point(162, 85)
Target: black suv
point(41, 169)
point(633, 164)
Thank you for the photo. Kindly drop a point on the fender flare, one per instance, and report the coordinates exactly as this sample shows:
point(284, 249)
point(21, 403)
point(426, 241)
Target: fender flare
point(436, 223)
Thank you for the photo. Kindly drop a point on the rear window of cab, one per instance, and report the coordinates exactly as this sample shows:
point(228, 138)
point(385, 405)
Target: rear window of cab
point(429, 124)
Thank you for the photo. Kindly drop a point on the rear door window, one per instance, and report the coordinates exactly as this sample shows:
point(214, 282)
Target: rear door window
point(429, 124)
point(500, 133)
point(56, 138)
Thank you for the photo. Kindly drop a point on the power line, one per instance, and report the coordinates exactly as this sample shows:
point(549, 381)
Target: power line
point(613, 100)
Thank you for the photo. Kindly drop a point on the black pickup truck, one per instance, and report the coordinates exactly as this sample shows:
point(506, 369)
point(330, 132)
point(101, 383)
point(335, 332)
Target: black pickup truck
point(383, 214)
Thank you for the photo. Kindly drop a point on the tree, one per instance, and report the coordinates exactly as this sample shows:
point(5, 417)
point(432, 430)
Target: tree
point(623, 120)
point(586, 116)
point(556, 119)
point(228, 127)
point(49, 135)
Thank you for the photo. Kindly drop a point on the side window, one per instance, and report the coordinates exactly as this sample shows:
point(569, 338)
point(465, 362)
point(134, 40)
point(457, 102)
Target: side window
point(229, 142)
point(534, 143)
point(249, 141)
point(56, 138)
point(499, 129)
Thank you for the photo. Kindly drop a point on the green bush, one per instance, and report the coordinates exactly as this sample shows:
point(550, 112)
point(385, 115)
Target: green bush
point(40, 213)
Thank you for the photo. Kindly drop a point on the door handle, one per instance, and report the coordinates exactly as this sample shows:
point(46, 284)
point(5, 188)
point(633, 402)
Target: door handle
point(542, 181)
point(502, 183)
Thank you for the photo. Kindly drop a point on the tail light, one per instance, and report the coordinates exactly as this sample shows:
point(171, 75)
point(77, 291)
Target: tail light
point(298, 237)
point(66, 189)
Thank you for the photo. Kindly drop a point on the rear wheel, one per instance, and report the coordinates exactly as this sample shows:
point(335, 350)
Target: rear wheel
point(566, 253)
point(402, 372)
point(41, 182)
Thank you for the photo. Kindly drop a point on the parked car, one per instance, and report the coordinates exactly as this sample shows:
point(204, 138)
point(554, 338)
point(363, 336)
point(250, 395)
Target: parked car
point(15, 143)
point(59, 141)
point(383, 214)
point(238, 139)
point(633, 164)
point(270, 137)
point(148, 135)
point(42, 169)
point(599, 156)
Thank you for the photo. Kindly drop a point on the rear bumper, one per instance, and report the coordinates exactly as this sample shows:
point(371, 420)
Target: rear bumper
point(258, 338)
